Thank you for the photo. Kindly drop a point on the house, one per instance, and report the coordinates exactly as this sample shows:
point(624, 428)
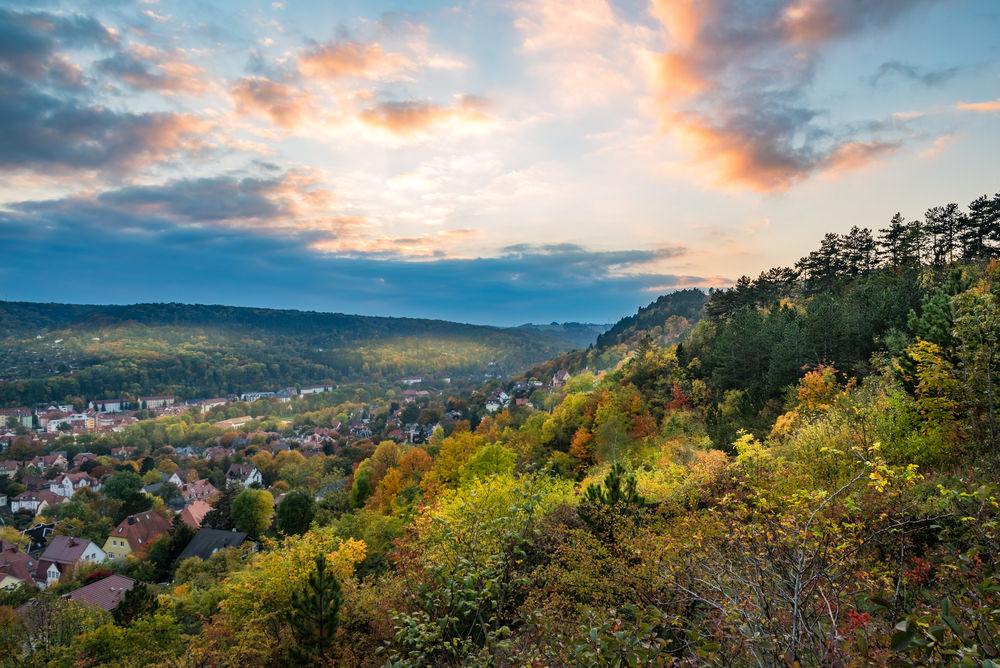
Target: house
point(497, 400)
point(3, 499)
point(82, 458)
point(15, 566)
point(316, 389)
point(34, 483)
point(233, 423)
point(122, 454)
point(150, 403)
point(412, 380)
point(39, 534)
point(209, 404)
point(135, 534)
point(110, 405)
point(244, 474)
point(189, 451)
point(183, 476)
point(35, 502)
point(217, 452)
point(45, 462)
point(62, 554)
point(209, 541)
point(21, 416)
point(9, 467)
point(560, 378)
point(66, 484)
point(199, 490)
point(194, 513)
point(105, 593)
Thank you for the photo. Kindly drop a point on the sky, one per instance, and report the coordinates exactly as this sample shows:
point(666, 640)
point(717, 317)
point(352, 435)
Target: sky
point(489, 162)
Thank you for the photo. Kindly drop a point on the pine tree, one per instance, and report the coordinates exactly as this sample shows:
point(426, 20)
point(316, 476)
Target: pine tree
point(220, 517)
point(313, 616)
point(136, 602)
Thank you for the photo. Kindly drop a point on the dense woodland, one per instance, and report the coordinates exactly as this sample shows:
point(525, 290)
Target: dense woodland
point(809, 477)
point(205, 351)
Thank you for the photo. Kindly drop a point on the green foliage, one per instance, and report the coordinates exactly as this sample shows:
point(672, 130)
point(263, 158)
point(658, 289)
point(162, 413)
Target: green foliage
point(363, 486)
point(252, 510)
point(492, 460)
point(122, 485)
point(617, 489)
point(313, 614)
point(295, 512)
point(192, 350)
point(220, 517)
point(137, 601)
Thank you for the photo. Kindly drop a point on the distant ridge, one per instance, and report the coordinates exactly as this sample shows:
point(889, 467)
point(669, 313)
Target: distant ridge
point(51, 351)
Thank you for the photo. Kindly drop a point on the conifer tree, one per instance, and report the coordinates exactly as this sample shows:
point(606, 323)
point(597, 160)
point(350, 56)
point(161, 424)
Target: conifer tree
point(313, 616)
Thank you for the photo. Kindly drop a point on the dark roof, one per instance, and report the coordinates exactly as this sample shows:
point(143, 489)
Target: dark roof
point(104, 593)
point(65, 549)
point(207, 541)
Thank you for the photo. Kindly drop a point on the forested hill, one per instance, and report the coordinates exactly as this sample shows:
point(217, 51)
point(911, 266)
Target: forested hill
point(580, 334)
point(17, 318)
point(52, 351)
point(667, 320)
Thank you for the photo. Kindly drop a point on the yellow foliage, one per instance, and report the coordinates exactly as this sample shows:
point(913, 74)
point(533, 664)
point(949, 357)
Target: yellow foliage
point(265, 587)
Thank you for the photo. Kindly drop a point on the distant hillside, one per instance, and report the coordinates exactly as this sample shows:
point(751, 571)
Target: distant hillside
point(52, 351)
point(667, 320)
point(579, 334)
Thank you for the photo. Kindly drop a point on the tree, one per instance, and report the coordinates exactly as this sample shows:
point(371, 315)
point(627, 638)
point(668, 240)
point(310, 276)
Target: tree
point(122, 485)
point(252, 510)
point(220, 517)
point(892, 240)
point(363, 486)
point(313, 616)
point(613, 492)
point(296, 512)
point(137, 601)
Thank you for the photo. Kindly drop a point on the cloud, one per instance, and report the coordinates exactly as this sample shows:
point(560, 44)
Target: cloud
point(285, 104)
point(732, 87)
point(29, 41)
point(219, 264)
point(295, 203)
point(810, 21)
point(341, 60)
point(39, 130)
point(913, 73)
point(146, 68)
point(563, 24)
point(990, 107)
point(586, 54)
point(413, 119)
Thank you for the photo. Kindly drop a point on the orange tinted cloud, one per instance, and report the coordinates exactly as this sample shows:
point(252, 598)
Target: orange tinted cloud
point(981, 107)
point(732, 87)
point(146, 68)
point(282, 103)
point(411, 119)
point(347, 59)
point(563, 24)
point(420, 246)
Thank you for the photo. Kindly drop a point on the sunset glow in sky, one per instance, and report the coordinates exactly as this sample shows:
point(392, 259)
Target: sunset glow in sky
point(491, 162)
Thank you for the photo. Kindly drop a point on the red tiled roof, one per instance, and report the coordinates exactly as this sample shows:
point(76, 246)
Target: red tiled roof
point(15, 563)
point(141, 529)
point(104, 593)
point(199, 489)
point(194, 513)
